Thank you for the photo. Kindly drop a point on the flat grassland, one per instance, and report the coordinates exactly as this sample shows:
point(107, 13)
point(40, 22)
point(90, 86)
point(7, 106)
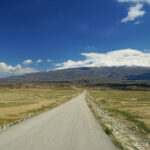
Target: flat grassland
point(131, 107)
point(17, 104)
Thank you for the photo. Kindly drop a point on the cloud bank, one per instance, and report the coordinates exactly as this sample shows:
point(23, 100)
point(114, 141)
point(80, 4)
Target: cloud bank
point(134, 11)
point(125, 57)
point(8, 70)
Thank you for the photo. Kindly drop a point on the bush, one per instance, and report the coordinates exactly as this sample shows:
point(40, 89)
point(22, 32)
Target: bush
point(107, 130)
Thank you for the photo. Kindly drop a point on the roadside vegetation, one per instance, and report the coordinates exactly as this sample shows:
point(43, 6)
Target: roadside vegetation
point(20, 101)
point(124, 114)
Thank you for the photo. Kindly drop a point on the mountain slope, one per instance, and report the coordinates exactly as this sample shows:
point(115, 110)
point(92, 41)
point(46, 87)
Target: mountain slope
point(86, 73)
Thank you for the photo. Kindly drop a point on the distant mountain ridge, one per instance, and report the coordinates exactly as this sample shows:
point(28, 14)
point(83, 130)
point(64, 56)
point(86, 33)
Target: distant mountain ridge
point(100, 74)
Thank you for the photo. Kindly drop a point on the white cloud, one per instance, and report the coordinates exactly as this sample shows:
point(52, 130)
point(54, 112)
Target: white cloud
point(27, 62)
point(137, 22)
point(49, 60)
point(134, 12)
point(70, 64)
point(134, 1)
point(147, 50)
point(8, 70)
point(39, 61)
point(125, 57)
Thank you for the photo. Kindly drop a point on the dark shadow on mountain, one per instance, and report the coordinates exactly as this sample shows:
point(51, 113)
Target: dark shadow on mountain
point(145, 76)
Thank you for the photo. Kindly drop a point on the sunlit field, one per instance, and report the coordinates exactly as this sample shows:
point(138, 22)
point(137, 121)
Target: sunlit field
point(16, 104)
point(129, 107)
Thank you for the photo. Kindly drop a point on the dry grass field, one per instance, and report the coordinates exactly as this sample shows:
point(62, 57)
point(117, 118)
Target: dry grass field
point(16, 104)
point(131, 107)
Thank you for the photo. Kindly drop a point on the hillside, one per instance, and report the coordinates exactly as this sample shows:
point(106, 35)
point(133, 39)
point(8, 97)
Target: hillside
point(101, 74)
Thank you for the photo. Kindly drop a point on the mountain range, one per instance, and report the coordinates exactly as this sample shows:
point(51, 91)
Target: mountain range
point(98, 74)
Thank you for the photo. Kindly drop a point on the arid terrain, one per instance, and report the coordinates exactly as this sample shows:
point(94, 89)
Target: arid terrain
point(124, 113)
point(17, 104)
point(121, 109)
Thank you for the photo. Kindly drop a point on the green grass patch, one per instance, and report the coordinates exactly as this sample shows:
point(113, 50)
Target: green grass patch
point(107, 130)
point(118, 144)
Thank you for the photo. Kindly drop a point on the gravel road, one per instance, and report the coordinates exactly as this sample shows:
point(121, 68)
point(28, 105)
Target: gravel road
point(70, 126)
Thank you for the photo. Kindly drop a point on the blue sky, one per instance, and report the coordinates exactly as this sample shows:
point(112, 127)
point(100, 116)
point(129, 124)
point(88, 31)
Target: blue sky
point(72, 34)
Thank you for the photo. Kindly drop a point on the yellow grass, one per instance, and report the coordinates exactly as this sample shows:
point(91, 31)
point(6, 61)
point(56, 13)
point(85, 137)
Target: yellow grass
point(132, 106)
point(16, 104)
point(135, 102)
point(125, 114)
